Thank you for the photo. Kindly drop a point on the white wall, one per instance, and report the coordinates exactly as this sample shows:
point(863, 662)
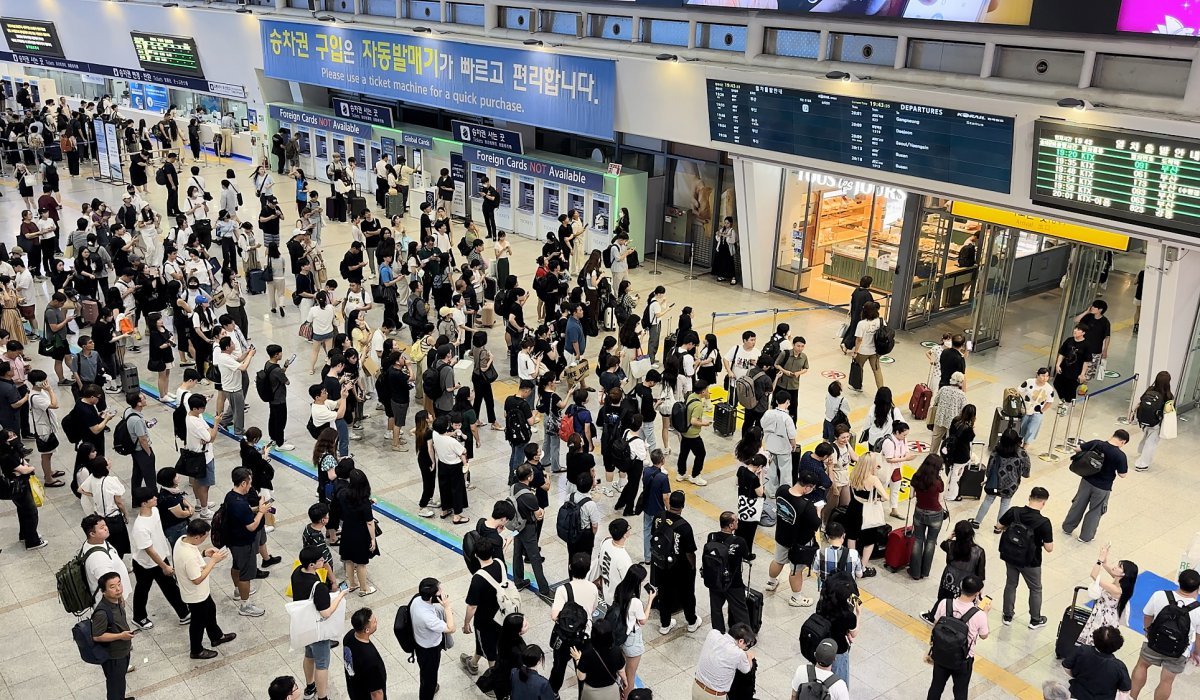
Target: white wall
point(759, 192)
point(1170, 297)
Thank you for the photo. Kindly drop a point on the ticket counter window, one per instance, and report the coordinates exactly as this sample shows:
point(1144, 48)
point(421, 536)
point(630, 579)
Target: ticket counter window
point(832, 232)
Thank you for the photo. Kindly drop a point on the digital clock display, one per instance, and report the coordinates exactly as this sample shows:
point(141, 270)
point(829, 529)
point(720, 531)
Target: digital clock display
point(1120, 174)
point(176, 55)
point(936, 143)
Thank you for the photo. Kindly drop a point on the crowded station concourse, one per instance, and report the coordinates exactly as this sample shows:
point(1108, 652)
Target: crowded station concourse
point(277, 435)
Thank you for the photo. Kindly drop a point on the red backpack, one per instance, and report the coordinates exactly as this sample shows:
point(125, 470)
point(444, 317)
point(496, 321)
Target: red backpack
point(566, 424)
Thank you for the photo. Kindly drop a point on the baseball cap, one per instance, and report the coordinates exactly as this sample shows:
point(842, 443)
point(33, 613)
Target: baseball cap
point(201, 299)
point(825, 652)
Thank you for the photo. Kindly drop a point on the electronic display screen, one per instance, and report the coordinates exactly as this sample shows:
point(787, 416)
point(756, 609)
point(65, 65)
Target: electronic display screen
point(159, 53)
point(936, 143)
point(31, 37)
point(1121, 174)
point(1172, 17)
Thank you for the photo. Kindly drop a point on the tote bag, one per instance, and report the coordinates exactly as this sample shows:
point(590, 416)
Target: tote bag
point(1168, 429)
point(872, 512)
point(308, 626)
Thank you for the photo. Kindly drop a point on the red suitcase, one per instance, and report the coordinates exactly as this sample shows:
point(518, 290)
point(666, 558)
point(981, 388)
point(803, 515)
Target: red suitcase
point(918, 405)
point(900, 542)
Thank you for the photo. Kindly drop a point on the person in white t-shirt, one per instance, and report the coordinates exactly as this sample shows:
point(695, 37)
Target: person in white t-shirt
point(822, 670)
point(612, 561)
point(1172, 666)
point(193, 575)
point(152, 559)
point(739, 359)
point(199, 438)
point(100, 557)
point(864, 342)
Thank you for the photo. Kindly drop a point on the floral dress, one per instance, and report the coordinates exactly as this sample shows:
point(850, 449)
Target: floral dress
point(1104, 612)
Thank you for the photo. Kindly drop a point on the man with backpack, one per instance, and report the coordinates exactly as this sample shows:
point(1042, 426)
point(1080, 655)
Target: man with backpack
point(796, 525)
point(98, 557)
point(439, 382)
point(490, 596)
point(958, 625)
point(1026, 533)
point(571, 612)
point(656, 491)
point(137, 440)
point(110, 628)
point(578, 518)
point(779, 439)
point(1091, 498)
point(527, 524)
point(817, 681)
point(432, 618)
point(673, 564)
point(752, 392)
point(271, 383)
point(518, 422)
point(721, 570)
point(1172, 622)
point(690, 441)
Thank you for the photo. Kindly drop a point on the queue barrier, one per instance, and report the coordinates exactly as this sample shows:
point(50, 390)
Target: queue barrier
point(691, 257)
point(1071, 441)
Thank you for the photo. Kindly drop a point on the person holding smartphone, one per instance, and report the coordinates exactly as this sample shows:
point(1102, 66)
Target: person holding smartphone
point(306, 584)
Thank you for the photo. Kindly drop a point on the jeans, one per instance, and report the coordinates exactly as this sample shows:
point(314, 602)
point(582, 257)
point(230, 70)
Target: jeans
point(343, 431)
point(1033, 579)
point(204, 619)
point(986, 503)
point(551, 444)
point(235, 411)
point(691, 445)
point(648, 434)
point(1092, 500)
point(1147, 446)
point(926, 526)
point(1030, 425)
point(514, 460)
point(841, 667)
point(114, 677)
point(428, 661)
point(145, 578)
point(647, 526)
point(961, 676)
point(276, 422)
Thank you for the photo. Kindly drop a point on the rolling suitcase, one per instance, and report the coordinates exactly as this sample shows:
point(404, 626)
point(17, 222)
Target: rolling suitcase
point(856, 376)
point(358, 204)
point(970, 485)
point(1000, 423)
point(669, 346)
point(335, 209)
point(129, 379)
point(724, 419)
point(89, 311)
point(918, 405)
point(255, 284)
point(395, 205)
point(1073, 620)
point(900, 542)
point(754, 603)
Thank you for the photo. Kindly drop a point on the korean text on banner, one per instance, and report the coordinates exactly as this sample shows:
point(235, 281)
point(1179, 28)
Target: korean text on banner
point(567, 93)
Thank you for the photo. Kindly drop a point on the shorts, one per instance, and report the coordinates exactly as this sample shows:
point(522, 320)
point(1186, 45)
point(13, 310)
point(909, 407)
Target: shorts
point(245, 561)
point(210, 474)
point(782, 557)
point(399, 412)
point(319, 653)
point(634, 645)
point(46, 446)
point(1175, 665)
point(321, 337)
point(260, 537)
point(265, 494)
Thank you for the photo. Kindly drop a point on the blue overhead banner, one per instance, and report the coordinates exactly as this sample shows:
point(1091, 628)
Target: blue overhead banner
point(417, 141)
point(363, 112)
point(145, 76)
point(542, 88)
point(555, 172)
point(291, 115)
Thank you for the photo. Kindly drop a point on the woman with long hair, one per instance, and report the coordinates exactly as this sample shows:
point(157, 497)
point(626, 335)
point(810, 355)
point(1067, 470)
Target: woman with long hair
point(322, 315)
point(600, 665)
point(426, 463)
point(325, 459)
point(1152, 433)
point(963, 558)
point(627, 601)
point(630, 338)
point(844, 457)
point(161, 355)
point(864, 350)
point(483, 373)
point(864, 486)
point(927, 489)
point(463, 400)
point(235, 302)
point(708, 360)
point(751, 498)
point(510, 648)
point(956, 448)
point(1006, 466)
point(1111, 608)
point(277, 285)
point(450, 454)
point(358, 544)
point(839, 603)
point(879, 421)
point(527, 683)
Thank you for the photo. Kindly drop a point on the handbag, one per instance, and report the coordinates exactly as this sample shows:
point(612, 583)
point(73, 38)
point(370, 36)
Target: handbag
point(486, 682)
point(639, 367)
point(218, 298)
point(191, 464)
point(309, 626)
point(873, 514)
point(37, 489)
point(1094, 591)
point(1168, 429)
point(306, 330)
point(749, 508)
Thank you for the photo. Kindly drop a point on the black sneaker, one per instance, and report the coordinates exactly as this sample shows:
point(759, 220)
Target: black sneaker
point(262, 574)
point(1037, 623)
point(522, 584)
point(272, 561)
point(974, 523)
point(1007, 620)
point(869, 572)
point(927, 618)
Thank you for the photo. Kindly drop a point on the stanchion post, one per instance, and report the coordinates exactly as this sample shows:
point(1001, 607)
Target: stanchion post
point(1073, 441)
point(1126, 419)
point(691, 261)
point(1049, 455)
point(713, 328)
point(1064, 447)
point(657, 253)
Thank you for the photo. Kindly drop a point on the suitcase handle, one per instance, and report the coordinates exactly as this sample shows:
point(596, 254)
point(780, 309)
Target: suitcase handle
point(1075, 595)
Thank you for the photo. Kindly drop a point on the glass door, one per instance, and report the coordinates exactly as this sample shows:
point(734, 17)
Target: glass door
point(933, 245)
point(992, 285)
point(1189, 387)
point(1081, 283)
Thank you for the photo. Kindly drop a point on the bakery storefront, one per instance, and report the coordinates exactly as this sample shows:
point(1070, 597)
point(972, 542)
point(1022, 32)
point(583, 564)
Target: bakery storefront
point(833, 230)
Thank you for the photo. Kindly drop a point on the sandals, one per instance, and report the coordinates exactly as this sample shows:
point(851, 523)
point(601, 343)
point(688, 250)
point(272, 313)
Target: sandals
point(58, 474)
point(462, 521)
point(54, 484)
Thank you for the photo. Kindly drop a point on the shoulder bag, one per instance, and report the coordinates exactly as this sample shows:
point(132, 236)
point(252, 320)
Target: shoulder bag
point(873, 514)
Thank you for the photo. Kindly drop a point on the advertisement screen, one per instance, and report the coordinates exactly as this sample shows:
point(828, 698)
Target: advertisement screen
point(1173, 17)
point(1013, 12)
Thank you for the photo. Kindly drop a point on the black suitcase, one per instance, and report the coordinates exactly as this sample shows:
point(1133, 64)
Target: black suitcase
point(724, 419)
point(632, 261)
point(395, 205)
point(357, 205)
point(1000, 423)
point(1073, 620)
point(856, 376)
point(669, 346)
point(971, 483)
point(129, 379)
point(255, 283)
point(335, 209)
point(754, 603)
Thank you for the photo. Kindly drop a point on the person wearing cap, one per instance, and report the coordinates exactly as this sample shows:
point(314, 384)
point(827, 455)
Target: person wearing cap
point(967, 608)
point(722, 656)
point(676, 577)
point(306, 584)
point(152, 559)
point(821, 671)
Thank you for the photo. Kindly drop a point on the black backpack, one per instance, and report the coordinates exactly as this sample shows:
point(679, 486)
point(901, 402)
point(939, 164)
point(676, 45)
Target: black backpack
point(1149, 411)
point(715, 569)
point(431, 382)
point(885, 339)
point(402, 627)
point(516, 429)
point(569, 522)
point(1017, 545)
point(262, 384)
point(813, 689)
point(218, 533)
point(815, 629)
point(663, 549)
point(619, 453)
point(950, 641)
point(570, 629)
point(160, 177)
point(501, 303)
point(469, 543)
point(179, 416)
point(1170, 632)
point(123, 443)
point(609, 256)
point(71, 428)
point(620, 627)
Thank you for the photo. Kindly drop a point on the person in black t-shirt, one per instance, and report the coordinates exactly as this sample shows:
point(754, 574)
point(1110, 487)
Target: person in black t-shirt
point(491, 201)
point(526, 544)
point(1091, 500)
point(307, 584)
point(677, 582)
point(1095, 672)
point(953, 360)
point(1097, 332)
point(1071, 367)
point(735, 596)
point(483, 606)
point(365, 672)
point(490, 529)
point(1043, 540)
point(796, 523)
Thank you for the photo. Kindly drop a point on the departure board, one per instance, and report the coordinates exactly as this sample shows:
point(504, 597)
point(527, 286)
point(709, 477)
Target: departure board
point(1120, 174)
point(31, 37)
point(176, 55)
point(935, 143)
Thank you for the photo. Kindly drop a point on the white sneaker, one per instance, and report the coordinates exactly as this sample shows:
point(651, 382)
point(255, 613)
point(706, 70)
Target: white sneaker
point(694, 626)
point(699, 481)
point(427, 513)
point(205, 513)
point(682, 477)
point(235, 595)
point(668, 629)
point(270, 529)
point(251, 610)
point(772, 584)
point(287, 447)
point(169, 398)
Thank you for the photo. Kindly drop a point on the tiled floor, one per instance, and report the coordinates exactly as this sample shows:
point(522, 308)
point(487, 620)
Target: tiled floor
point(1147, 522)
